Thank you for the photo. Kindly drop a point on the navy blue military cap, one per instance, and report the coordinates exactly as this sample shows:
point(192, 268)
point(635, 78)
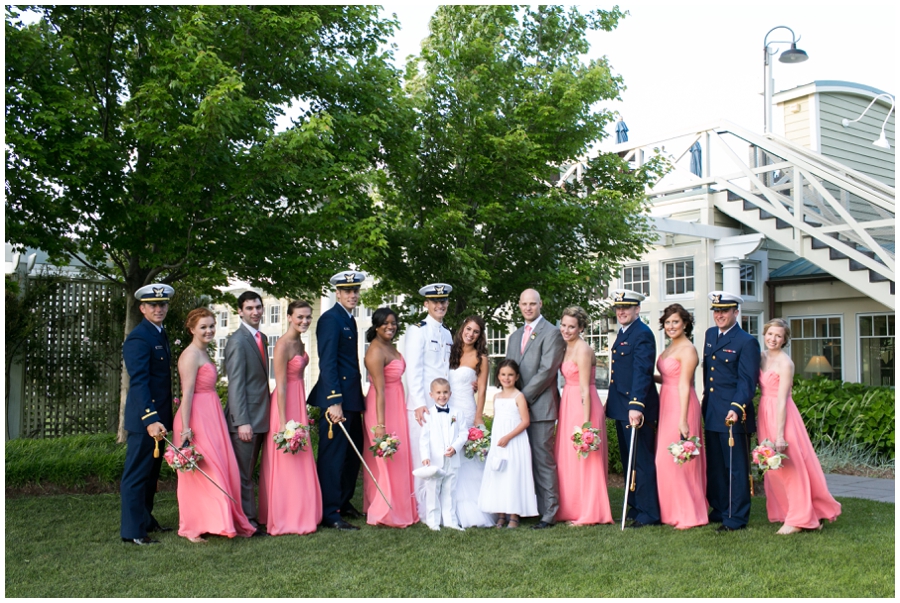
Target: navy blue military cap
point(155, 293)
point(720, 300)
point(348, 279)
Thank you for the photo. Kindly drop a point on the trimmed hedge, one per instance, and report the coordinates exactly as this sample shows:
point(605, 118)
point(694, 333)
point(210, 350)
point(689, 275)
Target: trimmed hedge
point(847, 413)
point(68, 461)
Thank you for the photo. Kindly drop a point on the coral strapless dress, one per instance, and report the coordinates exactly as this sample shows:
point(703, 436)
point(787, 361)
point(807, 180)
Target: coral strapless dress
point(203, 508)
point(796, 494)
point(682, 488)
point(394, 474)
point(583, 498)
point(290, 501)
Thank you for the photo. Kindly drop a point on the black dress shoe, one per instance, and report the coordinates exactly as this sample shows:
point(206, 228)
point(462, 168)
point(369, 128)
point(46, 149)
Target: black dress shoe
point(259, 533)
point(159, 528)
point(636, 524)
point(140, 541)
point(351, 513)
point(542, 525)
point(340, 524)
point(724, 528)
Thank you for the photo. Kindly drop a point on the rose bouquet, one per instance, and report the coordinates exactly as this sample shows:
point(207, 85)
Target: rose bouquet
point(766, 457)
point(585, 439)
point(385, 446)
point(685, 450)
point(478, 443)
point(186, 461)
point(293, 438)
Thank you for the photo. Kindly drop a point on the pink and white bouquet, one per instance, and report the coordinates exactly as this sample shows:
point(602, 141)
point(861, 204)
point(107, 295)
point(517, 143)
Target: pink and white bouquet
point(293, 438)
point(478, 443)
point(685, 450)
point(186, 461)
point(767, 458)
point(586, 439)
point(385, 446)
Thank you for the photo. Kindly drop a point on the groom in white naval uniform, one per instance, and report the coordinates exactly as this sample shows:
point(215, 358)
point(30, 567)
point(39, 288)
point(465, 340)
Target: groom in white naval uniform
point(427, 354)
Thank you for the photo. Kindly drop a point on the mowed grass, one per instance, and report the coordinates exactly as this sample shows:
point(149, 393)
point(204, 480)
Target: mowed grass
point(69, 546)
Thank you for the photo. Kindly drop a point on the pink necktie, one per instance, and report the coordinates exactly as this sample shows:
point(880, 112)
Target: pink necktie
point(262, 351)
point(525, 337)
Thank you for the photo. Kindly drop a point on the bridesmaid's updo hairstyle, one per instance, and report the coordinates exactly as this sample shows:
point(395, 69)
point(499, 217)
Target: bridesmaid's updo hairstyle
point(296, 305)
point(504, 363)
point(378, 319)
point(683, 314)
point(779, 322)
point(578, 313)
point(195, 315)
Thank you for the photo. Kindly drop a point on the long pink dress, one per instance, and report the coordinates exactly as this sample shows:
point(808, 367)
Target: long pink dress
point(290, 501)
point(203, 508)
point(583, 498)
point(394, 475)
point(682, 488)
point(796, 494)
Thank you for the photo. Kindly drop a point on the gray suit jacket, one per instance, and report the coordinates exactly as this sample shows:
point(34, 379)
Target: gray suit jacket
point(539, 368)
point(248, 382)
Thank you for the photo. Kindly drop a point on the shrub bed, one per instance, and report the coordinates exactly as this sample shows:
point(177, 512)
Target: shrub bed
point(847, 413)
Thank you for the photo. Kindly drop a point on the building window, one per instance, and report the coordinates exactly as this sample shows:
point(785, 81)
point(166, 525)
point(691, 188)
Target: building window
point(223, 319)
point(751, 324)
point(679, 277)
point(355, 312)
point(598, 337)
point(637, 278)
point(272, 340)
point(876, 349)
point(748, 281)
point(496, 349)
point(220, 350)
point(274, 314)
point(816, 346)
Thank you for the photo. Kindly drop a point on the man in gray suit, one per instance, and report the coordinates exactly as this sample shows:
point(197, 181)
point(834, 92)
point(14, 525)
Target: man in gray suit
point(539, 348)
point(247, 412)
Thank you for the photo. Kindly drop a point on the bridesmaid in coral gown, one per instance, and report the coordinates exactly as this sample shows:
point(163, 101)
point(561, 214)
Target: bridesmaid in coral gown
point(203, 508)
point(583, 497)
point(386, 413)
point(796, 494)
point(682, 488)
point(290, 501)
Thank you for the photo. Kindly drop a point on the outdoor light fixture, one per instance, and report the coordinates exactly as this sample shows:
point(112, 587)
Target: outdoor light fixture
point(882, 141)
point(791, 55)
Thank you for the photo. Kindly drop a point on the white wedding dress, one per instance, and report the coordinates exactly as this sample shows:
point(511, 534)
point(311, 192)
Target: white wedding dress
point(468, 483)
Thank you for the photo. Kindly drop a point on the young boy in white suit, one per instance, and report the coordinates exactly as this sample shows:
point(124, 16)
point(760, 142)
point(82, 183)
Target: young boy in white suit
point(440, 443)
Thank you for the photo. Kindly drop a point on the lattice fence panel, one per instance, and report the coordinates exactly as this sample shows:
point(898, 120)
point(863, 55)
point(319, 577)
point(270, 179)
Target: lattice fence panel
point(72, 382)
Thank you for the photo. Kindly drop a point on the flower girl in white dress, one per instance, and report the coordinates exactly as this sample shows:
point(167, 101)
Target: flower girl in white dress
point(508, 483)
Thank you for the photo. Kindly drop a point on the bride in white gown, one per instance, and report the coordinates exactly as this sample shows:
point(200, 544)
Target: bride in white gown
point(469, 365)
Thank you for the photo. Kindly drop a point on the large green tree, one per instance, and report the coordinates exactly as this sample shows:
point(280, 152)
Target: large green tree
point(503, 101)
point(141, 140)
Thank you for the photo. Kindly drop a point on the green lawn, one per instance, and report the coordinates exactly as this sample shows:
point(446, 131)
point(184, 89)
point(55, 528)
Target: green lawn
point(68, 546)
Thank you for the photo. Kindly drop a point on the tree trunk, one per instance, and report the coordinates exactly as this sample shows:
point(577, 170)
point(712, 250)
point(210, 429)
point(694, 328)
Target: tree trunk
point(132, 318)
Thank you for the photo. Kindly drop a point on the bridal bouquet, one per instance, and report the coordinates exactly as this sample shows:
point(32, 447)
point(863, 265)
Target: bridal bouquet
point(766, 457)
point(586, 439)
point(186, 461)
point(685, 450)
point(385, 446)
point(478, 443)
point(293, 438)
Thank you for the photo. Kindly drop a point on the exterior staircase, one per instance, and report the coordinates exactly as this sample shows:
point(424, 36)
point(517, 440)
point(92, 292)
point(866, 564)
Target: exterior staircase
point(839, 219)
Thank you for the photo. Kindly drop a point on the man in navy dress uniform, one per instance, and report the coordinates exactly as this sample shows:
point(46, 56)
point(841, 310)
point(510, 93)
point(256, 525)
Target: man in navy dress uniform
point(634, 403)
point(730, 376)
point(338, 392)
point(148, 413)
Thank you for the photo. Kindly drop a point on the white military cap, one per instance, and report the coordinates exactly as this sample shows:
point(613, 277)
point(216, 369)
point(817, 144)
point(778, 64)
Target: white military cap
point(627, 297)
point(348, 279)
point(436, 291)
point(155, 293)
point(720, 300)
